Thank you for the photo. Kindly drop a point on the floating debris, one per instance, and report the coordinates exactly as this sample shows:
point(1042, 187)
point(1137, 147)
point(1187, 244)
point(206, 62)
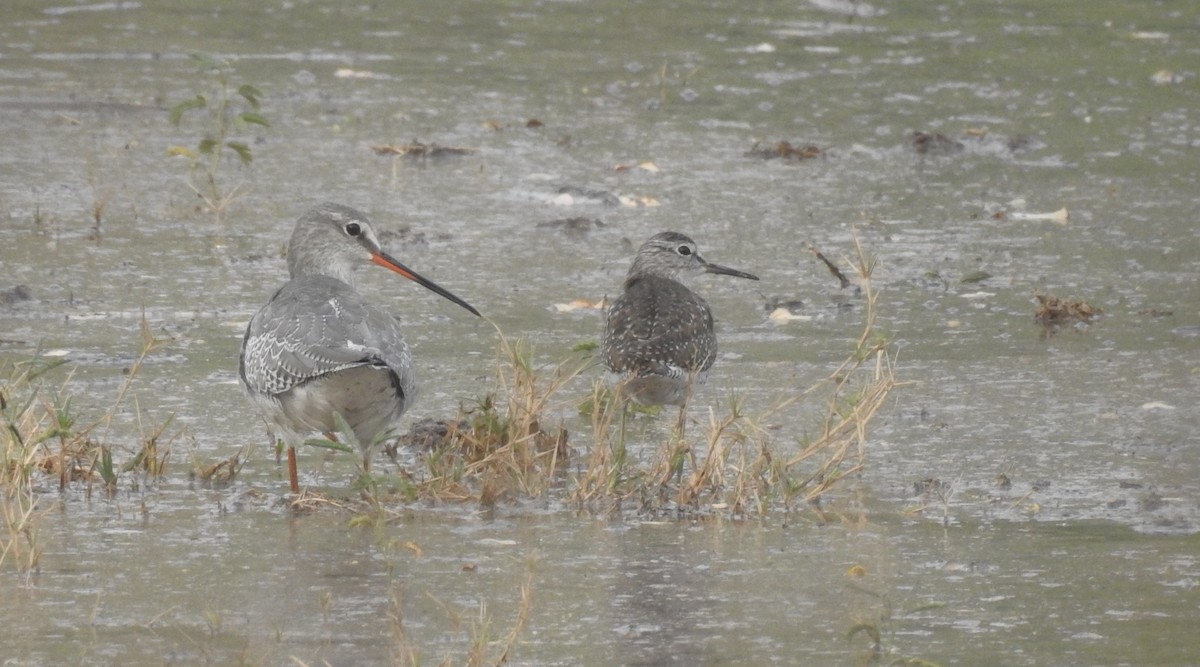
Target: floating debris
point(1018, 142)
point(644, 166)
point(930, 486)
point(426, 433)
point(783, 314)
point(581, 304)
point(417, 149)
point(577, 226)
point(935, 143)
point(534, 123)
point(1157, 405)
point(978, 295)
point(570, 194)
point(1165, 77)
point(1054, 311)
point(649, 202)
point(785, 150)
point(15, 294)
point(1061, 216)
point(220, 475)
point(347, 73)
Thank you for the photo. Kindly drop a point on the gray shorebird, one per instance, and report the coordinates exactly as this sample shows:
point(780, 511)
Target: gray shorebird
point(659, 337)
point(319, 347)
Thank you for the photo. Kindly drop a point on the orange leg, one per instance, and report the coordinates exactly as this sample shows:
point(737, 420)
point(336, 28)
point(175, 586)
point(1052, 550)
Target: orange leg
point(292, 470)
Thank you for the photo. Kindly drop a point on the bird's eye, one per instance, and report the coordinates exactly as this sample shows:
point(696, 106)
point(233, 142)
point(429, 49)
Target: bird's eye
point(684, 250)
point(353, 229)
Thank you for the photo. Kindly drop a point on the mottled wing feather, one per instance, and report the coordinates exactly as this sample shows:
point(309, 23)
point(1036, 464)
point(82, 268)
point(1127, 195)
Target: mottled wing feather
point(314, 326)
point(658, 326)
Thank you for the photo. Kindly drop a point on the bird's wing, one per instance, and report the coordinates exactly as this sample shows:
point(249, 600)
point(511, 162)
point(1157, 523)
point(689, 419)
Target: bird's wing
point(312, 327)
point(656, 322)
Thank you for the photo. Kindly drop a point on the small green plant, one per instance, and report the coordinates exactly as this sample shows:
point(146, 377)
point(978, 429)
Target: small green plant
point(226, 111)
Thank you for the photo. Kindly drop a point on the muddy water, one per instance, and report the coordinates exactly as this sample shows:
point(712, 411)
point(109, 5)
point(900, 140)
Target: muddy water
point(1086, 556)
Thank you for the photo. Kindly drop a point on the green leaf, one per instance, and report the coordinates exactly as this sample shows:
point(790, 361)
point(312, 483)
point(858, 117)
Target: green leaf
point(588, 346)
point(243, 151)
point(106, 467)
point(207, 146)
point(255, 118)
point(251, 94)
point(328, 444)
point(177, 111)
point(173, 151)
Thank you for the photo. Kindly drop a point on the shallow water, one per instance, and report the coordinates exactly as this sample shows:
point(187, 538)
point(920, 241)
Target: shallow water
point(1087, 557)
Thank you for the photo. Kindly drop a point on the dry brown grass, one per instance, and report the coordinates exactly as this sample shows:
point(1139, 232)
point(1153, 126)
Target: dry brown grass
point(502, 448)
point(483, 648)
point(43, 445)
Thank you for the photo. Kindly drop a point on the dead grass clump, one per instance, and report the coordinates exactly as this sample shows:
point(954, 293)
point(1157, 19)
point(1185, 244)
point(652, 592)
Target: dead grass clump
point(785, 150)
point(1053, 311)
point(484, 648)
point(503, 448)
point(44, 444)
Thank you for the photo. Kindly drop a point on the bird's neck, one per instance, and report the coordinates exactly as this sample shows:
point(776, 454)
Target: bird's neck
point(345, 274)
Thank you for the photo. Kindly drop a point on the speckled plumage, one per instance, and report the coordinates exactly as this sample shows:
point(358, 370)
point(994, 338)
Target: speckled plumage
point(659, 339)
point(319, 347)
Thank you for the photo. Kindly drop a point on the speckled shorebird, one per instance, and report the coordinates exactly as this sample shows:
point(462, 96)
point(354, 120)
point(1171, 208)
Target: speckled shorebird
point(659, 337)
point(319, 347)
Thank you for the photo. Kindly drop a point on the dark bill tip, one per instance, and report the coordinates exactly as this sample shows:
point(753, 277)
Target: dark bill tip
point(388, 262)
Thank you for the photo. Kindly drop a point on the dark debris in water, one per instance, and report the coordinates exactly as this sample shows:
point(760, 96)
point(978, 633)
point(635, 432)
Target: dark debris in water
point(937, 143)
point(577, 226)
point(784, 150)
point(1053, 311)
point(931, 487)
point(416, 149)
point(793, 306)
point(425, 434)
point(934, 143)
point(15, 294)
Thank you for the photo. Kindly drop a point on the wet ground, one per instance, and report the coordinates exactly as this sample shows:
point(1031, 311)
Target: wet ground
point(1030, 498)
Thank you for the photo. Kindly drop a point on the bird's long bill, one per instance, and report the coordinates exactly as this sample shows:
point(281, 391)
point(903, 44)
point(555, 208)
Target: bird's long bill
point(709, 267)
point(388, 262)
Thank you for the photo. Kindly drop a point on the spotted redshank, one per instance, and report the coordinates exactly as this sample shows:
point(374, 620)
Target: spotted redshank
point(319, 347)
point(659, 338)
